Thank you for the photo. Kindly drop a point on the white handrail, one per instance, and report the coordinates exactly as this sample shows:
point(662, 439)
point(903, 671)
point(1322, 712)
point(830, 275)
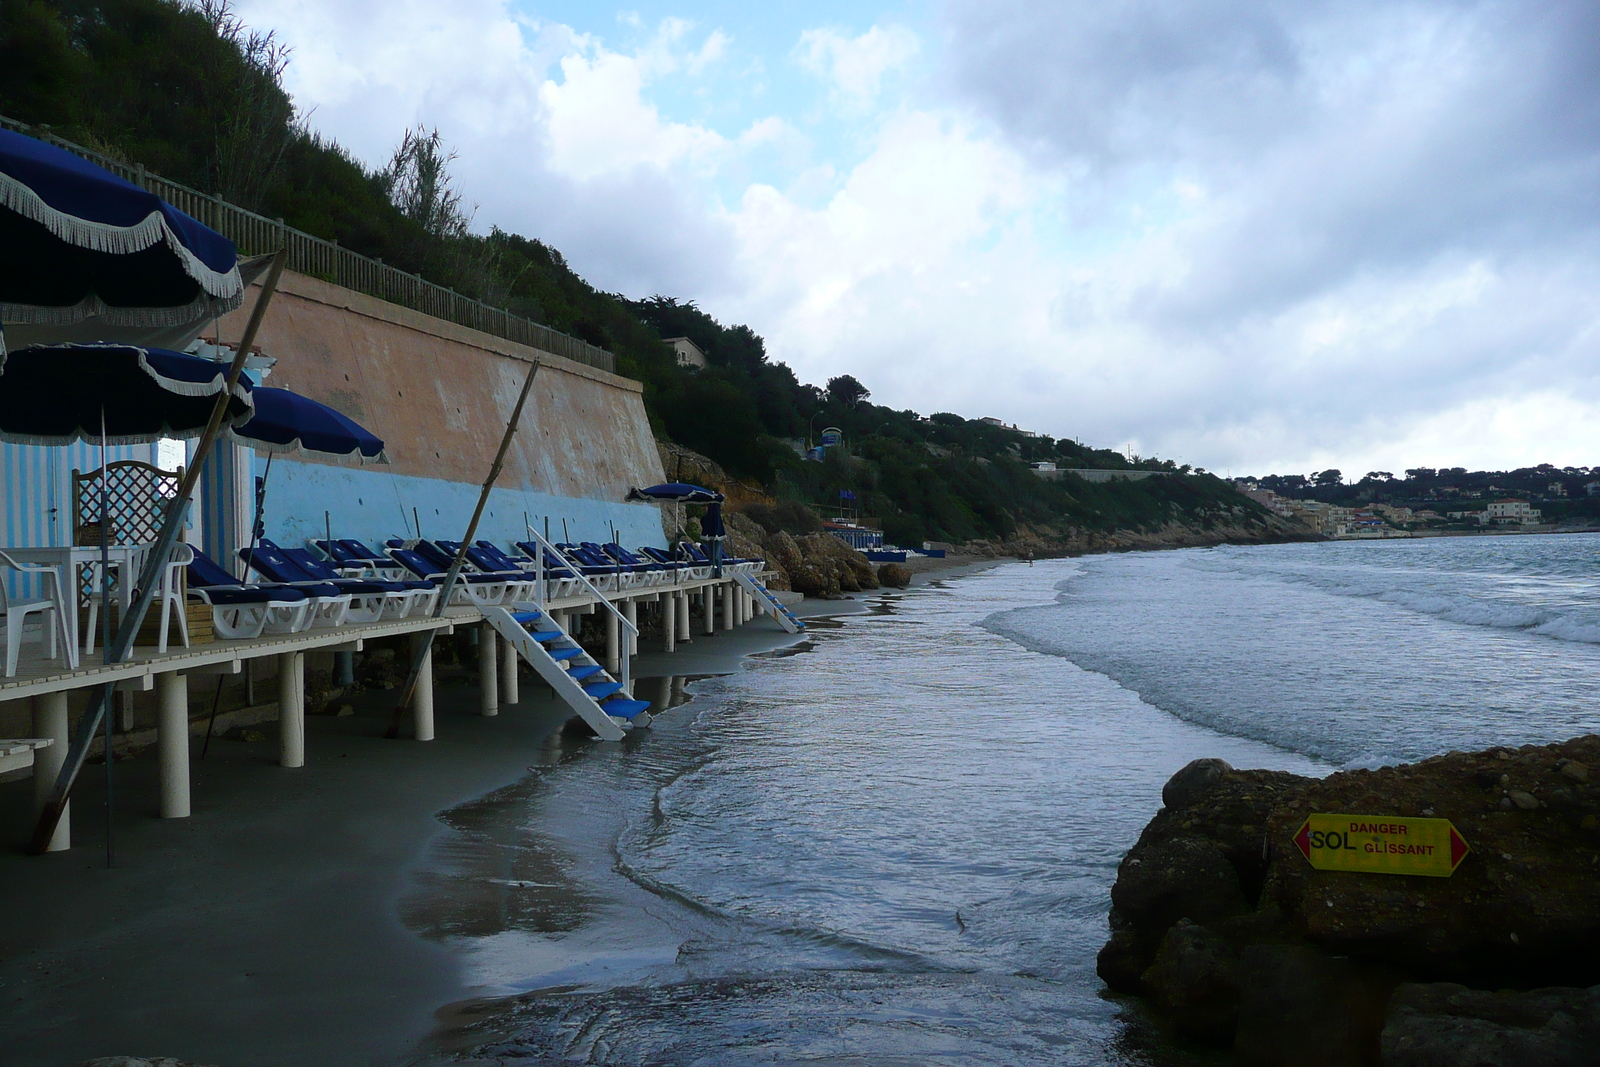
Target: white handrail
point(631, 629)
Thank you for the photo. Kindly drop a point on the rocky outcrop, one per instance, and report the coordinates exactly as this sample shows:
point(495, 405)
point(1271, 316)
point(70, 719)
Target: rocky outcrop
point(1223, 926)
point(894, 575)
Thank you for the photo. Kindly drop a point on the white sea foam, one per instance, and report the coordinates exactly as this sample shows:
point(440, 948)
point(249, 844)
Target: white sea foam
point(1358, 653)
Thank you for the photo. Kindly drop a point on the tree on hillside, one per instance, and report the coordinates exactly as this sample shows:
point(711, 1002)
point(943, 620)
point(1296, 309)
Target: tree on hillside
point(417, 181)
point(1331, 476)
point(846, 391)
point(258, 124)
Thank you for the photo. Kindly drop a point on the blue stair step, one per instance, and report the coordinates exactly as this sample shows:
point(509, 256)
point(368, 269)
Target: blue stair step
point(601, 690)
point(559, 654)
point(586, 671)
point(544, 637)
point(523, 618)
point(623, 708)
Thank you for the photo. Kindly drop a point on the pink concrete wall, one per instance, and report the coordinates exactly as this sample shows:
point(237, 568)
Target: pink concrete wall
point(440, 394)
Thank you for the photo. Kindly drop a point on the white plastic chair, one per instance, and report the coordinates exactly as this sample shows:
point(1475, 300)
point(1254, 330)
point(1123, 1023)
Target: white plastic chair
point(172, 599)
point(169, 600)
point(15, 614)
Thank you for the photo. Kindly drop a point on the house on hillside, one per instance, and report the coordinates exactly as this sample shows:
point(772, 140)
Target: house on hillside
point(1512, 513)
point(688, 353)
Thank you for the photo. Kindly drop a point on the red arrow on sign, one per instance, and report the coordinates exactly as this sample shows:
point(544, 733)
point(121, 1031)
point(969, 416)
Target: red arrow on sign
point(1458, 849)
point(1302, 839)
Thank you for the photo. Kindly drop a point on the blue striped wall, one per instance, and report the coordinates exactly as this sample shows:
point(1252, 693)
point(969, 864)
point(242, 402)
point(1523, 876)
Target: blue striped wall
point(36, 495)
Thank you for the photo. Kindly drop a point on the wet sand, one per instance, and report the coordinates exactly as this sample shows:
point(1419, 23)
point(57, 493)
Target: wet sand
point(265, 930)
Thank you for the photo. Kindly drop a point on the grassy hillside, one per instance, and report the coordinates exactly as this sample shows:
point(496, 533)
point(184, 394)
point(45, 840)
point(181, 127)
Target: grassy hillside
point(190, 92)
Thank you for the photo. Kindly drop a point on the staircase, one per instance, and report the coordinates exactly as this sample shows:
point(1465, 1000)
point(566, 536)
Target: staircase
point(768, 602)
point(578, 680)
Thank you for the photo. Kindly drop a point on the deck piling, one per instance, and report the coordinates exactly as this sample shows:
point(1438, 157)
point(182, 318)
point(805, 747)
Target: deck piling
point(422, 697)
point(488, 671)
point(509, 690)
point(50, 720)
point(291, 709)
point(684, 629)
point(172, 743)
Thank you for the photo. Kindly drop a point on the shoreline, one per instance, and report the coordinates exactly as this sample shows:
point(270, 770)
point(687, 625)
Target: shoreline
point(260, 930)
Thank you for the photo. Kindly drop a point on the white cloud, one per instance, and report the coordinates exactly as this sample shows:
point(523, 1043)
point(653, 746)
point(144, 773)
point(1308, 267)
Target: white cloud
point(1248, 235)
point(856, 66)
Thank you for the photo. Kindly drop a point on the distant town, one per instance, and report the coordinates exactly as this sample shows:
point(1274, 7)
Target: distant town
point(1426, 500)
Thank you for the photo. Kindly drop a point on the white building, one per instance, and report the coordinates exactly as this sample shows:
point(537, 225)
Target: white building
point(1512, 513)
point(689, 354)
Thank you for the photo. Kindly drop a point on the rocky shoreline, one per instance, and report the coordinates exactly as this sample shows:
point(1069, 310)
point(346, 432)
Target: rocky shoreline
point(1234, 940)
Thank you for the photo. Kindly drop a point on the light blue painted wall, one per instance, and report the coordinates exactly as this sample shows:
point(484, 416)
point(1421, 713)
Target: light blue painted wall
point(372, 504)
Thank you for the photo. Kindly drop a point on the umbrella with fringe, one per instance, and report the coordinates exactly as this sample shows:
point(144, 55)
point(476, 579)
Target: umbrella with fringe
point(86, 255)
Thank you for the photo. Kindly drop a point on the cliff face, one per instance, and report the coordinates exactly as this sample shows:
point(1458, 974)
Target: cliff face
point(1220, 922)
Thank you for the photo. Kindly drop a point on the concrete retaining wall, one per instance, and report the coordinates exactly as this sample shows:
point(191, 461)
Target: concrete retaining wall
point(440, 395)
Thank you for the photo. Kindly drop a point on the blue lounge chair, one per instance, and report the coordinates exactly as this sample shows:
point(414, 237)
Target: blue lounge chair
point(658, 570)
point(240, 611)
point(479, 590)
point(370, 600)
point(355, 560)
point(421, 594)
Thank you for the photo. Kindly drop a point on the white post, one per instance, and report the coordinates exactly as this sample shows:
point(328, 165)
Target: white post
point(726, 589)
point(291, 709)
point(510, 692)
point(708, 608)
point(682, 600)
point(50, 720)
point(613, 645)
point(172, 743)
point(749, 603)
point(669, 622)
point(631, 611)
point(422, 697)
point(488, 689)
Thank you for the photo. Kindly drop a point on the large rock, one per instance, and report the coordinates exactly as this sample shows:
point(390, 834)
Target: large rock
point(1194, 979)
point(1524, 906)
point(894, 575)
point(1193, 781)
point(828, 567)
point(1448, 1025)
point(1303, 1007)
point(1214, 905)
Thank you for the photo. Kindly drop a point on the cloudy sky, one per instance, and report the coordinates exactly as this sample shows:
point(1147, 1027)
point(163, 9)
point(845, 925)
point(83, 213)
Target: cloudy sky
point(1251, 236)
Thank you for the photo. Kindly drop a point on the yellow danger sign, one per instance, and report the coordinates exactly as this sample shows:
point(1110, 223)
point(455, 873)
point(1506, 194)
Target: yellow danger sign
point(1382, 844)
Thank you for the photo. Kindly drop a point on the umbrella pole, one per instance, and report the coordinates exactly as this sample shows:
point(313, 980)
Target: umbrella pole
point(105, 625)
point(255, 523)
point(425, 645)
point(149, 576)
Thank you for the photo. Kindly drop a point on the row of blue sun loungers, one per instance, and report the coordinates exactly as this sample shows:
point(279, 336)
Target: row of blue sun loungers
point(349, 582)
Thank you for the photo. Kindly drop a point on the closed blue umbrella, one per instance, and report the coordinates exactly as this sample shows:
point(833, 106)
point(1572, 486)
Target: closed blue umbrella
point(678, 493)
point(85, 254)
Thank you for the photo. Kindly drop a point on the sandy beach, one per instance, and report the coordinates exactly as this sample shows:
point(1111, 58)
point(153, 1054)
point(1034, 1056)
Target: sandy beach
point(265, 929)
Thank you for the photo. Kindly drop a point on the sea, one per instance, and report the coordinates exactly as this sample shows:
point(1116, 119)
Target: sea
point(893, 841)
